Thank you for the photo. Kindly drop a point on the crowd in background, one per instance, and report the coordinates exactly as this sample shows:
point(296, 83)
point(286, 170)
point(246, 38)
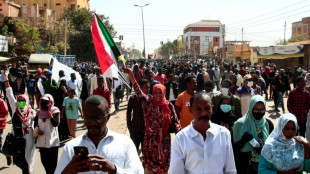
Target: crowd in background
point(238, 93)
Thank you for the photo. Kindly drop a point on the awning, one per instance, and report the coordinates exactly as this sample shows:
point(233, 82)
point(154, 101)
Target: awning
point(281, 56)
point(4, 59)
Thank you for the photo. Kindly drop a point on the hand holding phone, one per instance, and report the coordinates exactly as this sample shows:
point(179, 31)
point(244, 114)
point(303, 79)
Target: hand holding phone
point(81, 150)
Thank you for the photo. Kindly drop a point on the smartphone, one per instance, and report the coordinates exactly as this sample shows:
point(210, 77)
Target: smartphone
point(82, 150)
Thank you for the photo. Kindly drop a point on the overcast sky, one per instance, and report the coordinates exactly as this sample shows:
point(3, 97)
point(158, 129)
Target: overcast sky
point(262, 20)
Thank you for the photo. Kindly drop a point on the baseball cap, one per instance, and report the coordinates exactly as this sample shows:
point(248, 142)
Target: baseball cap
point(246, 77)
point(39, 70)
point(45, 70)
point(49, 72)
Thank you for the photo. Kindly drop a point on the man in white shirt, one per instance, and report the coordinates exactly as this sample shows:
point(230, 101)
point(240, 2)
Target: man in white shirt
point(73, 83)
point(109, 151)
point(202, 147)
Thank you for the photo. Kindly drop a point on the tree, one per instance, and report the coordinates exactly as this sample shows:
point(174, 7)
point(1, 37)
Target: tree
point(134, 53)
point(28, 37)
point(166, 49)
point(280, 42)
point(297, 38)
point(80, 38)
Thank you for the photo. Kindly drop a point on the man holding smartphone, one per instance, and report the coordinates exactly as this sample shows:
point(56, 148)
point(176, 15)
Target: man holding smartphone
point(109, 151)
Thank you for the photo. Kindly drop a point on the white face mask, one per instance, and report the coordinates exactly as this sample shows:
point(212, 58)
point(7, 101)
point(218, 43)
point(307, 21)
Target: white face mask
point(225, 91)
point(250, 84)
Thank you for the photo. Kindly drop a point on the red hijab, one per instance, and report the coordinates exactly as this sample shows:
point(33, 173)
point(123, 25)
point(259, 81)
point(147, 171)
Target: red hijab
point(164, 105)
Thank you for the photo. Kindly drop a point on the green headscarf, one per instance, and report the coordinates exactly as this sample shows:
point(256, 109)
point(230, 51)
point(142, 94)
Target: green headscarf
point(247, 123)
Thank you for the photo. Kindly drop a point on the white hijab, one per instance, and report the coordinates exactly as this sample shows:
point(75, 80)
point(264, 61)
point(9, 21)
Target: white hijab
point(285, 154)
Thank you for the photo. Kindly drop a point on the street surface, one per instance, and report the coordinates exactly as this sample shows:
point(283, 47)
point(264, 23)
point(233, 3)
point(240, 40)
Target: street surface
point(116, 123)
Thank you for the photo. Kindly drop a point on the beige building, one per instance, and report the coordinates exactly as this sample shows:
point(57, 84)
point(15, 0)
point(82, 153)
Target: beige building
point(55, 6)
point(9, 9)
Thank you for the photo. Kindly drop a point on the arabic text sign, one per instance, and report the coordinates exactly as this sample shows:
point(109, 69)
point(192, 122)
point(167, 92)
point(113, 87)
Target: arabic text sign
point(291, 49)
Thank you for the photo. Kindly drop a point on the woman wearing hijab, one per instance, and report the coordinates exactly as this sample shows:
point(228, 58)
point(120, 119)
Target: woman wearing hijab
point(48, 139)
point(252, 126)
point(157, 141)
point(223, 115)
point(22, 122)
point(282, 153)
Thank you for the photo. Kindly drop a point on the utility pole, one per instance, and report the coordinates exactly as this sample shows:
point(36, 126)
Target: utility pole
point(143, 53)
point(65, 50)
point(223, 50)
point(284, 32)
point(242, 44)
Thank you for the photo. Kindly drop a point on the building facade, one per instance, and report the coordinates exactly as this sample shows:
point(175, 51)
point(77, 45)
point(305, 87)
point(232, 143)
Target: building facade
point(302, 28)
point(55, 6)
point(202, 37)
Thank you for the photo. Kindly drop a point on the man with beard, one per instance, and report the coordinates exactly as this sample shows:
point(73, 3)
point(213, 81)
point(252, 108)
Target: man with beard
point(108, 151)
point(202, 147)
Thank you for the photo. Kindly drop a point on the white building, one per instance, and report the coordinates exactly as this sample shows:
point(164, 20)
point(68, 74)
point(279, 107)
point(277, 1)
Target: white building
point(202, 37)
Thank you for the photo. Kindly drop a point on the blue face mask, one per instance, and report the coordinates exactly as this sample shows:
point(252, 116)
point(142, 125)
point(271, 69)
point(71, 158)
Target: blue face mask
point(225, 108)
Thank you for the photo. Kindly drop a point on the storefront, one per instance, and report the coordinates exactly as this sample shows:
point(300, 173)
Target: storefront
point(283, 56)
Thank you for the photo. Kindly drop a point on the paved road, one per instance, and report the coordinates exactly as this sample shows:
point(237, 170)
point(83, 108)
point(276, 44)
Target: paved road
point(116, 123)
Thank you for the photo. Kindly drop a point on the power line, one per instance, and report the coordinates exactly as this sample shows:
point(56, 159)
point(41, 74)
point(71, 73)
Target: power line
point(255, 21)
point(270, 12)
point(276, 19)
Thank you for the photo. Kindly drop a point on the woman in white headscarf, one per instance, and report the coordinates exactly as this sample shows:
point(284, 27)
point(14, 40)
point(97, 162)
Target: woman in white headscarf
point(282, 152)
point(22, 123)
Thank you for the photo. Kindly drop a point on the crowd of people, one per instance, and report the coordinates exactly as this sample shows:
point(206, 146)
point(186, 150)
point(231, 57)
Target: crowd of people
point(216, 111)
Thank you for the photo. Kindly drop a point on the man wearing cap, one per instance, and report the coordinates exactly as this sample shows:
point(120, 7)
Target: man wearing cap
point(50, 85)
point(245, 93)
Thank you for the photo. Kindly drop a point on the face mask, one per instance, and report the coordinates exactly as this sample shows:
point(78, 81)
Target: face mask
point(258, 115)
point(225, 108)
point(250, 84)
point(225, 91)
point(21, 104)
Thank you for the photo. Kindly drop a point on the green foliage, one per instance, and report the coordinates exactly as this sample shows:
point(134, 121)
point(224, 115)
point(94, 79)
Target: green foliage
point(297, 38)
point(280, 42)
point(80, 38)
point(166, 49)
point(28, 36)
point(135, 53)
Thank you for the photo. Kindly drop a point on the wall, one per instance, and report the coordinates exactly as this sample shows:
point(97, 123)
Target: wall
point(206, 40)
point(9, 9)
point(302, 27)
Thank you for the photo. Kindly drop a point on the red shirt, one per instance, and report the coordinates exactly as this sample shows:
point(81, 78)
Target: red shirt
point(161, 78)
point(3, 114)
point(298, 103)
point(242, 72)
point(105, 92)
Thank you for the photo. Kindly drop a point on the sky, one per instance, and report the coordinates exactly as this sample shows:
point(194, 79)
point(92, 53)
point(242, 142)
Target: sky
point(262, 20)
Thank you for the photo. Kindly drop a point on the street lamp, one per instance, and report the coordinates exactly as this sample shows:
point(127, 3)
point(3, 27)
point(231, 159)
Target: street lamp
point(143, 53)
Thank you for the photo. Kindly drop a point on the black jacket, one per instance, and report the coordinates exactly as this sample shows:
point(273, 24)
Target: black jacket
point(175, 89)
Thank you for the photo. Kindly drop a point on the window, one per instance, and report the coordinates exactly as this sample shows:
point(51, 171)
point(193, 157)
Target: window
point(298, 29)
point(215, 30)
point(58, 4)
point(44, 4)
point(78, 6)
point(216, 39)
point(195, 29)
